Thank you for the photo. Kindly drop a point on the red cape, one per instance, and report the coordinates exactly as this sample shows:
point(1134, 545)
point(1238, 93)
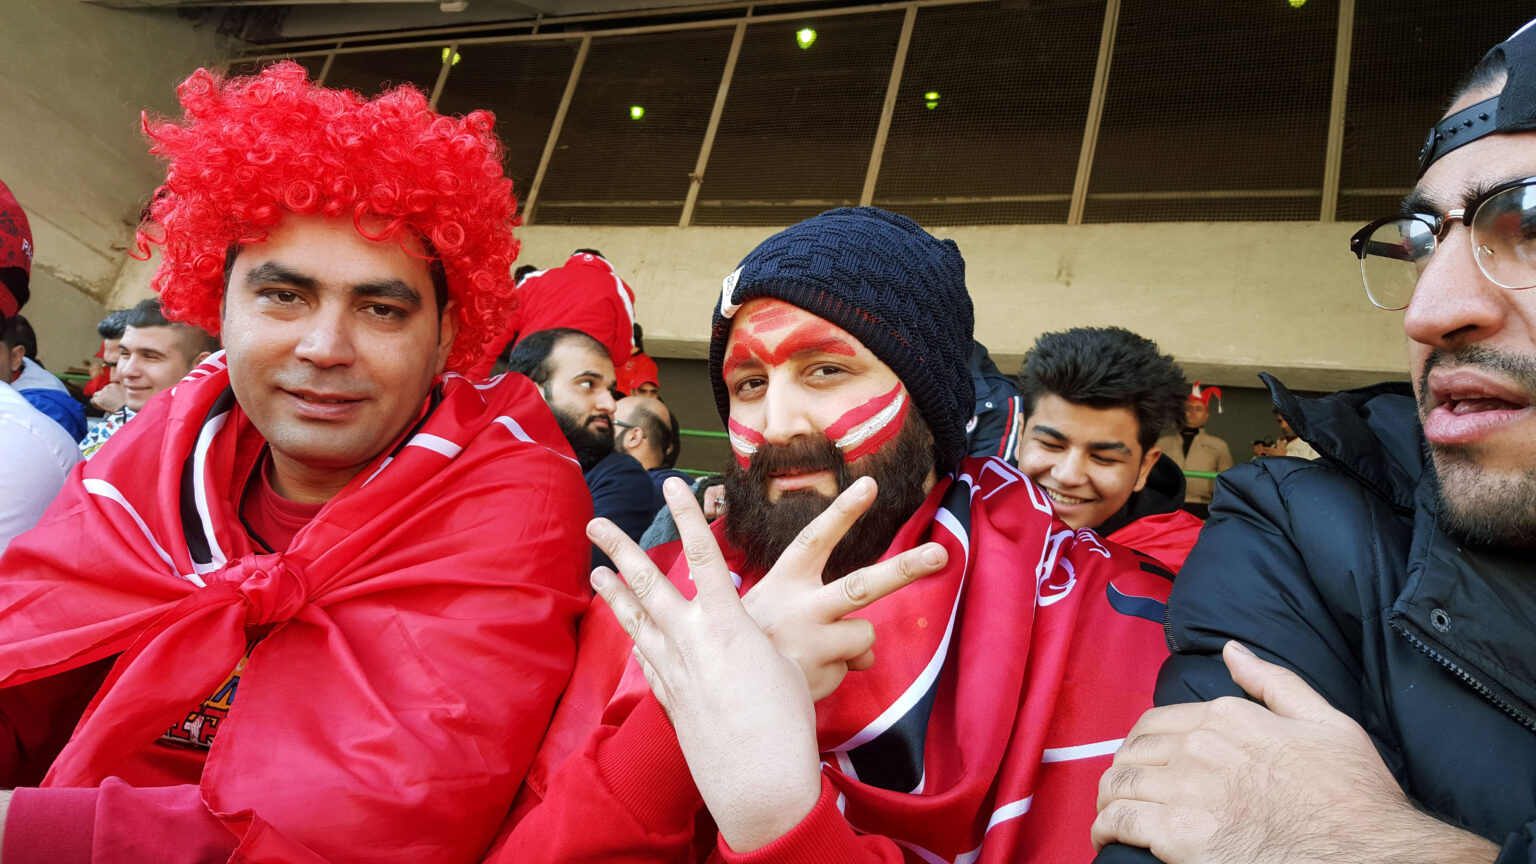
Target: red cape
point(1001, 689)
point(418, 631)
point(1168, 537)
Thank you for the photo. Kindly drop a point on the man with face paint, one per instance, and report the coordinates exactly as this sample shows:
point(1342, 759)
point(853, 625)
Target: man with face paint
point(1003, 672)
point(1377, 601)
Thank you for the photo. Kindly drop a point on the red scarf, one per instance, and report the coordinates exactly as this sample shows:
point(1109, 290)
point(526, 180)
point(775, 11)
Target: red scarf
point(1002, 685)
point(414, 637)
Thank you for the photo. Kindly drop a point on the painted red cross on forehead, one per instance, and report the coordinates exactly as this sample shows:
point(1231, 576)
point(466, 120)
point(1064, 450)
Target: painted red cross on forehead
point(811, 336)
point(859, 430)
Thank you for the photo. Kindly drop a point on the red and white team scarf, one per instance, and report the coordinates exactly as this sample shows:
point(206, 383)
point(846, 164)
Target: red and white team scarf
point(1002, 685)
point(413, 639)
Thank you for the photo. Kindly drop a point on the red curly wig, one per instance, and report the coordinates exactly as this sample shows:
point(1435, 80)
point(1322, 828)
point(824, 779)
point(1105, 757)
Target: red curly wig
point(251, 149)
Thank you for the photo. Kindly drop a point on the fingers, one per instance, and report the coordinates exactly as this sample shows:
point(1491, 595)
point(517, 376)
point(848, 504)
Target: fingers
point(1281, 690)
point(1148, 749)
point(850, 639)
point(862, 662)
point(1172, 719)
point(648, 585)
point(630, 612)
point(1124, 821)
point(705, 562)
point(807, 555)
point(1131, 783)
point(866, 585)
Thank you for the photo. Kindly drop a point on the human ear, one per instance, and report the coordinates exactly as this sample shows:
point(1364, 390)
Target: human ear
point(447, 329)
point(1147, 461)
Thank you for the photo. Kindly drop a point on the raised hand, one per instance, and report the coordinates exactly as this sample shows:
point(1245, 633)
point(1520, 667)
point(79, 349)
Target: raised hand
point(806, 619)
point(741, 708)
point(1291, 780)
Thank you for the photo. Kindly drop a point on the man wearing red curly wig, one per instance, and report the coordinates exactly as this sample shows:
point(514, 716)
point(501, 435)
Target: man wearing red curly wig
point(307, 642)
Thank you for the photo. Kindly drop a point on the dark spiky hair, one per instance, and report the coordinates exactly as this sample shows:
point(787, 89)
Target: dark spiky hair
point(1107, 367)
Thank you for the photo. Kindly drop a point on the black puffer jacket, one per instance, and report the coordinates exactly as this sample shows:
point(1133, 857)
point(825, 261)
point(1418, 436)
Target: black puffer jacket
point(1337, 569)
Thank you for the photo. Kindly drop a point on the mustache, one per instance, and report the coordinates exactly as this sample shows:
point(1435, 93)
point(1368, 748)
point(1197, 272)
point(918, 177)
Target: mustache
point(1518, 368)
point(798, 456)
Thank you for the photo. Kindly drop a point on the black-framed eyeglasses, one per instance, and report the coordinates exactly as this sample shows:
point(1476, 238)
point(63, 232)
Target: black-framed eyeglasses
point(1393, 251)
point(623, 424)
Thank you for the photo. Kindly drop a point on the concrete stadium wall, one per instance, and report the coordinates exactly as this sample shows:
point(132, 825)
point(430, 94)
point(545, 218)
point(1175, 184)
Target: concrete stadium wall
point(1228, 300)
point(73, 79)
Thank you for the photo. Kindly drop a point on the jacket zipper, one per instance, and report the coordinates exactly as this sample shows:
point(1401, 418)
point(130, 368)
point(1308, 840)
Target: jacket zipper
point(1461, 673)
point(1173, 644)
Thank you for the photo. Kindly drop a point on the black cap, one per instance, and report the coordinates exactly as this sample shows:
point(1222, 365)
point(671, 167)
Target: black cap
point(893, 286)
point(1513, 110)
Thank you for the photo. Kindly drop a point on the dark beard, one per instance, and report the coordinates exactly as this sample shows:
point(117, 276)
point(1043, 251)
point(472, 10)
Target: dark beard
point(761, 530)
point(590, 446)
point(1476, 506)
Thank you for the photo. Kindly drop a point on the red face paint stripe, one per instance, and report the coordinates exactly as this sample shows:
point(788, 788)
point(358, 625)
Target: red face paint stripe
point(746, 433)
point(744, 441)
point(815, 335)
point(858, 415)
point(772, 318)
point(880, 437)
point(746, 347)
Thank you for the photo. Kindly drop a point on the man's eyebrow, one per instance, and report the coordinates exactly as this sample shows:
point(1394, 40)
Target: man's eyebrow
point(824, 345)
point(273, 273)
point(389, 289)
point(1419, 201)
point(1118, 446)
point(1094, 446)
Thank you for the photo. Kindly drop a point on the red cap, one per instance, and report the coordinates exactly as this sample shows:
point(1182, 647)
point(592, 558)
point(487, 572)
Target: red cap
point(15, 254)
point(1203, 395)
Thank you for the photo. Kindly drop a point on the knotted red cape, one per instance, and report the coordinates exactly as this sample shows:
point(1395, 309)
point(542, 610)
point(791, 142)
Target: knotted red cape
point(413, 639)
point(1001, 688)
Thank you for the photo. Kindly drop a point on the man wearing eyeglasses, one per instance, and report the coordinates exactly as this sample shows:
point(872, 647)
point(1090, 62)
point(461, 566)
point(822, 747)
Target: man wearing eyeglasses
point(1378, 606)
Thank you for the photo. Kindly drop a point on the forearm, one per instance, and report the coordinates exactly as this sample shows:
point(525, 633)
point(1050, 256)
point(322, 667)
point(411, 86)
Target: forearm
point(822, 837)
point(1419, 838)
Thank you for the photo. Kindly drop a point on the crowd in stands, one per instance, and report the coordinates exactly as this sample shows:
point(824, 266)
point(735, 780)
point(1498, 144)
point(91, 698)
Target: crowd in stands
point(353, 544)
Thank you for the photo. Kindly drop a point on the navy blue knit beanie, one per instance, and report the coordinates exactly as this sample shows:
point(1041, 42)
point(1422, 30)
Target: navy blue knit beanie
point(896, 288)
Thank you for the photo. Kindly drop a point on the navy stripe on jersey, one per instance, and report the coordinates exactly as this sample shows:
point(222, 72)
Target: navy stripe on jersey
point(1140, 607)
point(199, 545)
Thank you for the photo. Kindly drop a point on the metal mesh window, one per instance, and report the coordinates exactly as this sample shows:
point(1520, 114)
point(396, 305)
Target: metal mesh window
point(1407, 57)
point(634, 128)
point(1215, 110)
point(989, 118)
point(799, 123)
point(372, 72)
point(521, 84)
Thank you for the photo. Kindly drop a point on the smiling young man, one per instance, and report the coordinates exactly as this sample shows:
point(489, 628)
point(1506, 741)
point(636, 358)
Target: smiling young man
point(1094, 401)
point(998, 685)
point(153, 354)
point(318, 601)
point(1392, 580)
